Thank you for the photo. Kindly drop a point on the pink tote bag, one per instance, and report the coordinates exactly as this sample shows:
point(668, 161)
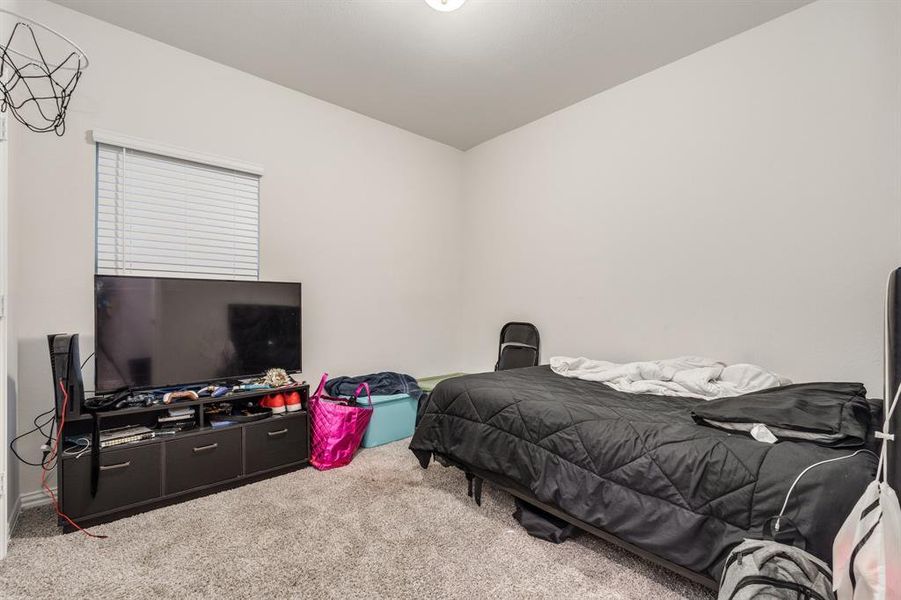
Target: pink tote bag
point(337, 427)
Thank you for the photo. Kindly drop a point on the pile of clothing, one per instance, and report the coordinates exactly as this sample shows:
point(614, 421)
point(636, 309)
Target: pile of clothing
point(687, 376)
point(380, 384)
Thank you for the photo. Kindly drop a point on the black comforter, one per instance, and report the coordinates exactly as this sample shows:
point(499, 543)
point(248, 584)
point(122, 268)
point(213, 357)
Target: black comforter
point(638, 466)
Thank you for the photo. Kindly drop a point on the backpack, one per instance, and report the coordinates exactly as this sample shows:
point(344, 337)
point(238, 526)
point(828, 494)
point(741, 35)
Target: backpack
point(767, 569)
point(867, 550)
point(520, 346)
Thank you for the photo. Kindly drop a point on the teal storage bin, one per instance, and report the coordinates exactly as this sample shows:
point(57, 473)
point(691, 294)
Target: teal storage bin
point(393, 418)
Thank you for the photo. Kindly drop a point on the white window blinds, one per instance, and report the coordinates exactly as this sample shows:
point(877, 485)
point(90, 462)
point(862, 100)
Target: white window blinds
point(165, 216)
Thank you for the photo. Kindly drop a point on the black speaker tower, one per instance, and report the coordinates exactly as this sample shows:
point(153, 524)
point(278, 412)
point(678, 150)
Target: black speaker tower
point(65, 362)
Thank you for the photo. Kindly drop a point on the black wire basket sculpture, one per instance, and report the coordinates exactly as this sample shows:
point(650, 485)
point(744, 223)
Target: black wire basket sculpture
point(34, 89)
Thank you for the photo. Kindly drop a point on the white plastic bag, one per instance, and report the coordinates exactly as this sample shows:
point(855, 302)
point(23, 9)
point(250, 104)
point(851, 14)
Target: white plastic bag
point(866, 554)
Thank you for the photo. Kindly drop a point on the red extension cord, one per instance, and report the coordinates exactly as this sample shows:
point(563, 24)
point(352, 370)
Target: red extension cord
point(54, 453)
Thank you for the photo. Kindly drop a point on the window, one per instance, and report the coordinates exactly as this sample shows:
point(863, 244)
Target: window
point(163, 215)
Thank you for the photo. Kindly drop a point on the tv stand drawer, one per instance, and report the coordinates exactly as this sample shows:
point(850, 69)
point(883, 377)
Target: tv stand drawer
point(276, 442)
point(200, 460)
point(126, 476)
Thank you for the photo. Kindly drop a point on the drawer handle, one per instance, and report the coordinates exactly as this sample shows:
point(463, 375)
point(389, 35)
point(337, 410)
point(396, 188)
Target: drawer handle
point(273, 434)
point(199, 449)
point(116, 466)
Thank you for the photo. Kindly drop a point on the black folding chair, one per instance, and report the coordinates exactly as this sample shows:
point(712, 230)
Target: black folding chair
point(520, 346)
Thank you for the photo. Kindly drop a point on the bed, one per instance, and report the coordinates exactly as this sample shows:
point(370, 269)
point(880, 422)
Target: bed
point(637, 469)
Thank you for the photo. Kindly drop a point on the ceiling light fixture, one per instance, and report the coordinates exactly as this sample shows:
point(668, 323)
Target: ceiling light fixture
point(445, 5)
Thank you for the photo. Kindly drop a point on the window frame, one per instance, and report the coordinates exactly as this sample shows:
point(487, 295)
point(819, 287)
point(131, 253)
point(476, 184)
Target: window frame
point(173, 153)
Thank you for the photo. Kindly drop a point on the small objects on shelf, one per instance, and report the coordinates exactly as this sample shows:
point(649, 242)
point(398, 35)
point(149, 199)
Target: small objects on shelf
point(274, 402)
point(170, 397)
point(172, 428)
point(139, 399)
point(277, 378)
point(245, 387)
point(220, 409)
point(228, 412)
point(293, 402)
point(213, 391)
point(176, 415)
point(274, 379)
point(124, 435)
point(77, 446)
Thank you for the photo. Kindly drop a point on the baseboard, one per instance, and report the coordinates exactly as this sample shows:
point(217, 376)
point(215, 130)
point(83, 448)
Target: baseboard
point(14, 517)
point(33, 499)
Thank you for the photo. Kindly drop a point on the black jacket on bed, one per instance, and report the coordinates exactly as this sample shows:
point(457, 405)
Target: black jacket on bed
point(829, 414)
point(638, 466)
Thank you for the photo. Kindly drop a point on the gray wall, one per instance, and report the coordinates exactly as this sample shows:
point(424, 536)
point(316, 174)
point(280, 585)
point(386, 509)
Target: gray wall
point(357, 210)
point(741, 203)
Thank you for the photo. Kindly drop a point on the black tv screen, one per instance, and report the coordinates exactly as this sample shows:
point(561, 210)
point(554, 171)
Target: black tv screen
point(159, 331)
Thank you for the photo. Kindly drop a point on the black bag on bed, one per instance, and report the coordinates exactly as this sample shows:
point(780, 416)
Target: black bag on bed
point(541, 524)
point(519, 347)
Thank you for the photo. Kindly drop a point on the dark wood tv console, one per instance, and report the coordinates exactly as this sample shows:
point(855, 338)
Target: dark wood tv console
point(147, 474)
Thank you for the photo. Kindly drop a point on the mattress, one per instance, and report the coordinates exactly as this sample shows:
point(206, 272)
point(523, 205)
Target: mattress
point(638, 466)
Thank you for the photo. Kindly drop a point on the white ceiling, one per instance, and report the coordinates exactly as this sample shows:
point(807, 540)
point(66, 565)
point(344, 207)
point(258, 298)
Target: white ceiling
point(460, 78)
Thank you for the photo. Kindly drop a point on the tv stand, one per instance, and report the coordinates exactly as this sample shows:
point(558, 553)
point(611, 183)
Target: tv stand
point(207, 458)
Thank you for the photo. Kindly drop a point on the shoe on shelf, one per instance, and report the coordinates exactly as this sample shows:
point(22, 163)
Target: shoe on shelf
point(292, 401)
point(276, 402)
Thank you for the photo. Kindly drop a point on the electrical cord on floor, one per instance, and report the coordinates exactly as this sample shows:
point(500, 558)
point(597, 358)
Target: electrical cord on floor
point(54, 451)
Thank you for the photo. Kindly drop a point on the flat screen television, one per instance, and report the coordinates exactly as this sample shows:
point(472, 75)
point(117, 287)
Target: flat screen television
point(153, 332)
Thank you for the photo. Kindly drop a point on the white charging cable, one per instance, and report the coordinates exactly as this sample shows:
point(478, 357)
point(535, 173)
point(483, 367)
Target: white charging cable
point(883, 435)
point(804, 472)
point(84, 445)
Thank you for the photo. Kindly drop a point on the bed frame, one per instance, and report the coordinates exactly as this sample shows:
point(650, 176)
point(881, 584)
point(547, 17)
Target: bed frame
point(476, 476)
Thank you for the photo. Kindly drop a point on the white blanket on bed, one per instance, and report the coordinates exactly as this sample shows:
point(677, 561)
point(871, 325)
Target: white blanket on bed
point(690, 376)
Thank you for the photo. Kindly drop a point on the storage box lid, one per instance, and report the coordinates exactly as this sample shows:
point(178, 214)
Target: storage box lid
point(427, 384)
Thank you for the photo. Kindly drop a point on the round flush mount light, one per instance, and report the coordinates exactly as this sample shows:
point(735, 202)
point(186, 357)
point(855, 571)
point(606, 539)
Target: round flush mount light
point(445, 5)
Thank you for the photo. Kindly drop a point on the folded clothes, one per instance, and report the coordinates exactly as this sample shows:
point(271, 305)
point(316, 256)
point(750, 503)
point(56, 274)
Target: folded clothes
point(830, 414)
point(380, 384)
point(689, 376)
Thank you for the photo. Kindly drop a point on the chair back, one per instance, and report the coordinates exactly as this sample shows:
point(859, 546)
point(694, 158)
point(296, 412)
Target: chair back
point(520, 346)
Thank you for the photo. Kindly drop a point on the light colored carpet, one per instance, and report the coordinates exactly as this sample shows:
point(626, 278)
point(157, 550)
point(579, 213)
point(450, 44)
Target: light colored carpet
point(379, 528)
